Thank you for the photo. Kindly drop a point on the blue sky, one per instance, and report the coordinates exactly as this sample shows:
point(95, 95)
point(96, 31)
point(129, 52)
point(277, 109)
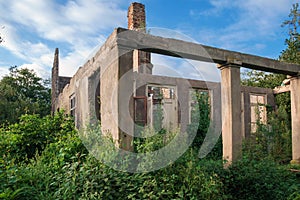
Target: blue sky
point(32, 29)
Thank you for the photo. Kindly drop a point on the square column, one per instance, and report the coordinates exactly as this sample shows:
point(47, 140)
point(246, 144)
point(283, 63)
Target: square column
point(295, 111)
point(231, 112)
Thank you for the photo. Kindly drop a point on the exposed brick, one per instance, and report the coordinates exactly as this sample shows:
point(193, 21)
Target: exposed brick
point(136, 17)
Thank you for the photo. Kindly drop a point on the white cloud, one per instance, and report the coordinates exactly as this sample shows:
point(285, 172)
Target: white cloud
point(70, 63)
point(11, 40)
point(38, 69)
point(3, 72)
point(217, 7)
point(252, 19)
point(204, 71)
point(80, 24)
point(68, 22)
point(184, 68)
point(37, 55)
point(97, 14)
point(164, 66)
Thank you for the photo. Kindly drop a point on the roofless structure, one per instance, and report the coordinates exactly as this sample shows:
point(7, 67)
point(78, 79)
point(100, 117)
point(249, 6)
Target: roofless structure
point(120, 73)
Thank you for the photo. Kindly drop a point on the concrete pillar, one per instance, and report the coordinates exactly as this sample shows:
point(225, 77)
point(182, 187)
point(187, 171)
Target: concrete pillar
point(295, 111)
point(246, 114)
point(231, 112)
point(125, 99)
point(216, 107)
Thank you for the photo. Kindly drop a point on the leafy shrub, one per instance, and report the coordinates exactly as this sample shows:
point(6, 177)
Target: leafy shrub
point(22, 140)
point(37, 177)
point(200, 122)
point(272, 140)
point(264, 179)
point(155, 142)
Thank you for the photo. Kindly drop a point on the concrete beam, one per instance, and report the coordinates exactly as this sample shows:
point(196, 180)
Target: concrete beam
point(295, 110)
point(231, 113)
point(281, 89)
point(179, 48)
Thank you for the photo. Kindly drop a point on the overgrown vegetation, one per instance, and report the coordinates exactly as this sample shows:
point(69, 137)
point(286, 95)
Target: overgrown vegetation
point(274, 138)
point(61, 168)
point(21, 141)
point(200, 122)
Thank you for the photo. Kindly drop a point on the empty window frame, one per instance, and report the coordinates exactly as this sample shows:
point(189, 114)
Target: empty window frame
point(258, 110)
point(199, 105)
point(161, 92)
point(72, 105)
point(162, 107)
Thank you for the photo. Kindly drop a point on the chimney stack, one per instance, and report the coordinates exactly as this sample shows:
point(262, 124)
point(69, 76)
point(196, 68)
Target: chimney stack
point(137, 22)
point(136, 17)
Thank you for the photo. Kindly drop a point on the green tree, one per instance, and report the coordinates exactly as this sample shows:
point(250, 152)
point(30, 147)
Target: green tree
point(257, 78)
point(292, 52)
point(23, 92)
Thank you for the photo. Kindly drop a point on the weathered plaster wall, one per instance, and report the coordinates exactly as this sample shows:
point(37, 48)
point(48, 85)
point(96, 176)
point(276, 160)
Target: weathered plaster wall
point(183, 86)
point(84, 83)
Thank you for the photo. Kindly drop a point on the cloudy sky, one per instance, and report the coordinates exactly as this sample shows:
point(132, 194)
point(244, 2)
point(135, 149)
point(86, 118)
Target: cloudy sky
point(32, 29)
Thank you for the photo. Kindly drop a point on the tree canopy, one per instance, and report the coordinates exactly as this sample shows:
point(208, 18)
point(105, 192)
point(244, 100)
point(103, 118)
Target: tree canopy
point(23, 92)
point(292, 52)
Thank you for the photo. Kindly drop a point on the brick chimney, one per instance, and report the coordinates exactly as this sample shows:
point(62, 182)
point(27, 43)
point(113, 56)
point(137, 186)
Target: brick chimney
point(137, 21)
point(136, 17)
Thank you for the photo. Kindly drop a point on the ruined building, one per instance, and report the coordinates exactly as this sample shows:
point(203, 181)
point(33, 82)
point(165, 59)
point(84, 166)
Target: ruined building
point(117, 87)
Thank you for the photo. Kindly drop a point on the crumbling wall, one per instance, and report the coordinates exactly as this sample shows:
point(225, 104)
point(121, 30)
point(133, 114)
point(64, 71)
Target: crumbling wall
point(84, 83)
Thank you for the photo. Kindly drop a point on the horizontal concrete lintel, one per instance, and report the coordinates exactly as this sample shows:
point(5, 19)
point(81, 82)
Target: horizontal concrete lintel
point(256, 90)
point(165, 80)
point(281, 89)
point(201, 84)
point(183, 49)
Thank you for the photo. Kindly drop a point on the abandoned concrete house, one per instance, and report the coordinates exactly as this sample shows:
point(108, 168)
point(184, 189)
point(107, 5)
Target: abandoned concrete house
point(120, 76)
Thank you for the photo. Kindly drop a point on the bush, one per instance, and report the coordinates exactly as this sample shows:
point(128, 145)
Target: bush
point(55, 139)
point(22, 140)
point(200, 122)
point(264, 179)
point(273, 140)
